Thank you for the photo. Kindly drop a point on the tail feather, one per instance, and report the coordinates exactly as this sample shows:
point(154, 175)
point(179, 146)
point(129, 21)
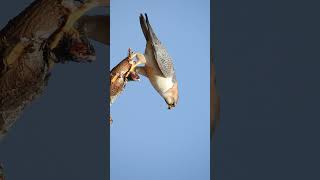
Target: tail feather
point(152, 35)
point(144, 26)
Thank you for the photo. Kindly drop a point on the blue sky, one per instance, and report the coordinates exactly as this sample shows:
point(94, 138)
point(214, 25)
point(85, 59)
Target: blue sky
point(148, 141)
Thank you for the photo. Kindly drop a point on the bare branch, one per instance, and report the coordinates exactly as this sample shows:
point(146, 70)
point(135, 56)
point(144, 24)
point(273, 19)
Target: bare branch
point(40, 36)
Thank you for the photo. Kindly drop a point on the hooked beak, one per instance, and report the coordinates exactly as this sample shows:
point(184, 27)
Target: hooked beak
point(171, 106)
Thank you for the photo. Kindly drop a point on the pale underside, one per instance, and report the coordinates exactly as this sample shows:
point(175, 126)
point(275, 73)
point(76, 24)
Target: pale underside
point(158, 81)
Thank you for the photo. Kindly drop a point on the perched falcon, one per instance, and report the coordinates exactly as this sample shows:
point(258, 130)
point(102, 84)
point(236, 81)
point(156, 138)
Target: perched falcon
point(158, 66)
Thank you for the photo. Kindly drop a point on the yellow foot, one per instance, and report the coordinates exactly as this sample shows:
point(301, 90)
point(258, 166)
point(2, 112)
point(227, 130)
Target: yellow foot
point(140, 60)
point(132, 68)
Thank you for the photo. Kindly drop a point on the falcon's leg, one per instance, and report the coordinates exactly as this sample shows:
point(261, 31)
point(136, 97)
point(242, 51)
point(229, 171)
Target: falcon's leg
point(135, 64)
point(142, 71)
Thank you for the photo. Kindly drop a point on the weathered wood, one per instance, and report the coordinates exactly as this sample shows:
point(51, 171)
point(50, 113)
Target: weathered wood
point(120, 75)
point(30, 44)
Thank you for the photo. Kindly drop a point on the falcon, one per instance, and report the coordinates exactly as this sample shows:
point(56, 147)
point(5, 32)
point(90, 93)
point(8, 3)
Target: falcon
point(158, 66)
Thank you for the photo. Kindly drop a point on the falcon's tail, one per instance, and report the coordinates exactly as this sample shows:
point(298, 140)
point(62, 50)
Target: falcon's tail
point(147, 29)
point(144, 26)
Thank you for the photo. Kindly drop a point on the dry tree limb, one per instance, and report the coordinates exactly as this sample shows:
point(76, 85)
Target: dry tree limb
point(214, 99)
point(40, 36)
point(120, 75)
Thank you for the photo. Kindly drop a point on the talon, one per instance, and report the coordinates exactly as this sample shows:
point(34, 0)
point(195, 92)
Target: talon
point(129, 52)
point(132, 69)
point(132, 55)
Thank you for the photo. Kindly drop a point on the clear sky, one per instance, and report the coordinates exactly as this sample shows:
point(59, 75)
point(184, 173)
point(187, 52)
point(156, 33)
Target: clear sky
point(148, 141)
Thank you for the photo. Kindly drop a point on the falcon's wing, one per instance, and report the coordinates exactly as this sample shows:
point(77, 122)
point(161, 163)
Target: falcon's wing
point(160, 53)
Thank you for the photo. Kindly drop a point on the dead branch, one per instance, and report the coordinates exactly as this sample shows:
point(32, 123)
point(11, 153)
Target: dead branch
point(43, 34)
point(120, 75)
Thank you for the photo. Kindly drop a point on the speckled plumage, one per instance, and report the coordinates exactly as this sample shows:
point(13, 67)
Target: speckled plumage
point(158, 66)
point(160, 53)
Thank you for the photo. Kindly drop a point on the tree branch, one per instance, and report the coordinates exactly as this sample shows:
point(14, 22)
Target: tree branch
point(40, 36)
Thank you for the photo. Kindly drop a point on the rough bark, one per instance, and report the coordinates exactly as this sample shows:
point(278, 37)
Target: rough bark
point(32, 42)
